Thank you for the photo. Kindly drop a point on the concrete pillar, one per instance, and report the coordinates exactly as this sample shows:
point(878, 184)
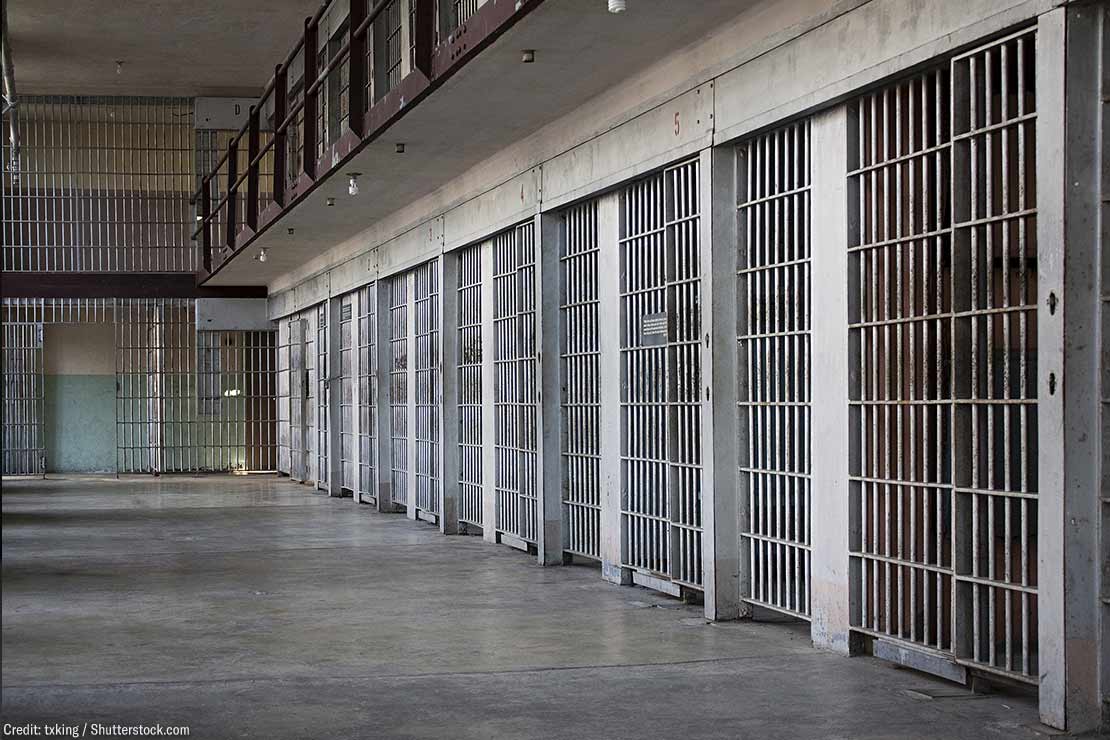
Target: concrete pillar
point(333, 397)
point(382, 433)
point(608, 291)
point(721, 495)
point(549, 473)
point(1070, 174)
point(410, 403)
point(449, 405)
point(489, 416)
point(831, 533)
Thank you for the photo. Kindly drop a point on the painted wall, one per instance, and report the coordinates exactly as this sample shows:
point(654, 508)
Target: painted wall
point(80, 386)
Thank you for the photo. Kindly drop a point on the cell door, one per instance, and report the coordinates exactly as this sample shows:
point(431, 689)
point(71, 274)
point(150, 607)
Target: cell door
point(515, 394)
point(345, 387)
point(943, 262)
point(399, 387)
point(298, 401)
point(661, 375)
point(24, 413)
point(581, 360)
point(427, 386)
point(470, 385)
point(323, 388)
point(367, 394)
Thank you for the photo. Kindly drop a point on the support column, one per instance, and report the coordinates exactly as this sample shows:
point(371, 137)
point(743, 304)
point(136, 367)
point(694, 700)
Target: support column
point(721, 496)
point(334, 398)
point(449, 402)
point(489, 414)
point(383, 432)
point(831, 520)
point(356, 398)
point(609, 378)
point(410, 402)
point(1070, 175)
point(549, 463)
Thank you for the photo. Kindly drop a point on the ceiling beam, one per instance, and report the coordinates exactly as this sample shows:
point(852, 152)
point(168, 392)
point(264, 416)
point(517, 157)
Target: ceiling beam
point(117, 285)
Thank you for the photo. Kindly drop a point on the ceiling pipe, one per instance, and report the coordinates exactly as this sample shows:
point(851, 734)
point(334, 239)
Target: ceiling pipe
point(9, 96)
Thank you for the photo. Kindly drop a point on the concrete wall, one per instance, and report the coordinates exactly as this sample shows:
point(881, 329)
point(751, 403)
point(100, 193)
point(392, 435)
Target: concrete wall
point(80, 389)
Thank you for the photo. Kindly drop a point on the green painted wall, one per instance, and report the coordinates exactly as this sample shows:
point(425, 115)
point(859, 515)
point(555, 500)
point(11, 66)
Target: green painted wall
point(80, 423)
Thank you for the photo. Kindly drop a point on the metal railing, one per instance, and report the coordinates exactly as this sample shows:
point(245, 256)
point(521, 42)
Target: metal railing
point(315, 97)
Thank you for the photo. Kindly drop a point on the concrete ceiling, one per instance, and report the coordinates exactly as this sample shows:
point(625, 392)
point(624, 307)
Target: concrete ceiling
point(494, 101)
point(169, 47)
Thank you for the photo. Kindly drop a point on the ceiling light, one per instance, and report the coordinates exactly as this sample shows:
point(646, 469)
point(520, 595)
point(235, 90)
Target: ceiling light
point(527, 56)
point(331, 201)
point(291, 230)
point(352, 185)
point(618, 6)
point(119, 66)
point(262, 255)
point(400, 148)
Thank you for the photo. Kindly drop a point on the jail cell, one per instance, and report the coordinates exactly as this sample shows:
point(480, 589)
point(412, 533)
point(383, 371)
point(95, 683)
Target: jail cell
point(661, 375)
point(470, 384)
point(24, 431)
point(943, 327)
point(344, 385)
point(283, 389)
point(299, 414)
point(323, 388)
point(428, 396)
point(104, 185)
point(515, 374)
point(581, 404)
point(367, 489)
point(774, 365)
point(399, 386)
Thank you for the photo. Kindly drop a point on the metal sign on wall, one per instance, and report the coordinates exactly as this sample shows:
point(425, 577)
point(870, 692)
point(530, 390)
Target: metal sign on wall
point(223, 114)
point(654, 328)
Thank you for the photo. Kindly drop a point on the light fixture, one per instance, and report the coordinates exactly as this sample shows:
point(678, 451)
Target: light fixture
point(119, 66)
point(527, 56)
point(291, 230)
point(352, 184)
point(262, 255)
point(400, 148)
point(618, 6)
point(330, 201)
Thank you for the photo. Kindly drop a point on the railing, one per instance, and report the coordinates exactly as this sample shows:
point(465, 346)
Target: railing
point(318, 103)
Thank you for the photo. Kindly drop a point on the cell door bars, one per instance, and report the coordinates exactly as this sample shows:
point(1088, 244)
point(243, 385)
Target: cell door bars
point(581, 382)
point(323, 388)
point(515, 393)
point(661, 375)
point(399, 385)
point(367, 393)
point(470, 384)
point(773, 290)
point(346, 389)
point(428, 388)
point(24, 412)
point(944, 342)
point(284, 392)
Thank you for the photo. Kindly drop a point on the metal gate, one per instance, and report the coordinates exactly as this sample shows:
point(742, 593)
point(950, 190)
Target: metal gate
point(399, 386)
point(943, 269)
point(345, 388)
point(515, 393)
point(470, 384)
point(581, 382)
point(661, 375)
point(426, 379)
point(298, 401)
point(24, 437)
point(367, 393)
point(323, 387)
point(774, 307)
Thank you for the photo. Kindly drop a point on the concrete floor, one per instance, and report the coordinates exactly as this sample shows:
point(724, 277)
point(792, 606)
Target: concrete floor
point(252, 607)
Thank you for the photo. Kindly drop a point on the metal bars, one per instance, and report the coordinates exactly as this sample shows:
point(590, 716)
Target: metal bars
point(367, 488)
point(399, 385)
point(661, 375)
point(426, 369)
point(774, 307)
point(104, 186)
point(515, 391)
point(942, 295)
point(323, 388)
point(346, 389)
point(581, 358)
point(470, 384)
point(24, 431)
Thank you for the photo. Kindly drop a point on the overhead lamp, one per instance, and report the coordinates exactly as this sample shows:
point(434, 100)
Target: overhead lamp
point(262, 255)
point(527, 56)
point(291, 230)
point(400, 148)
point(618, 6)
point(330, 202)
point(352, 184)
